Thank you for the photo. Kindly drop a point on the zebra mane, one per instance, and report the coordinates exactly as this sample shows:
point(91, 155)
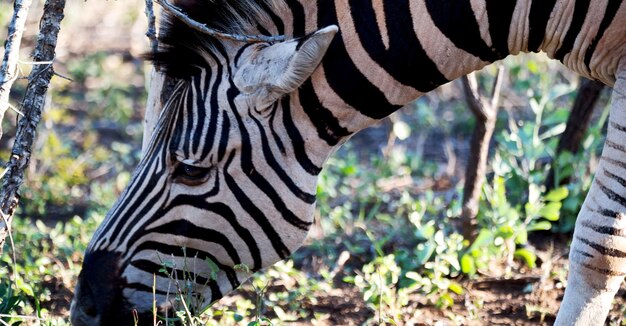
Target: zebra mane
point(183, 49)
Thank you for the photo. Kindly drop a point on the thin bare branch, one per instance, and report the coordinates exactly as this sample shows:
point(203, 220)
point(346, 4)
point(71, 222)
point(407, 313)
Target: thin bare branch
point(63, 76)
point(33, 104)
point(176, 12)
point(151, 33)
point(8, 70)
point(497, 87)
point(472, 96)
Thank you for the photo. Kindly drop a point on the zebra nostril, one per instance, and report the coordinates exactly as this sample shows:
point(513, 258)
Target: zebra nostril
point(84, 298)
point(83, 307)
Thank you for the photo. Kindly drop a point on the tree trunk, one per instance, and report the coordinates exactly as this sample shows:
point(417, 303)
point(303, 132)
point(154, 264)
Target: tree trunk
point(33, 104)
point(485, 111)
point(577, 124)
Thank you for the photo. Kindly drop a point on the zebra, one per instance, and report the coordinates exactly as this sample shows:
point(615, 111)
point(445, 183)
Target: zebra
point(229, 173)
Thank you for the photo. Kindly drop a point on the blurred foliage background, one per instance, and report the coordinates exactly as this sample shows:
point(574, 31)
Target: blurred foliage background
point(382, 251)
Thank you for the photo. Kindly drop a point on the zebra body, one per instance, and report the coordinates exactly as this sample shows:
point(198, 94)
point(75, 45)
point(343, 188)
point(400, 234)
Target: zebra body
point(230, 171)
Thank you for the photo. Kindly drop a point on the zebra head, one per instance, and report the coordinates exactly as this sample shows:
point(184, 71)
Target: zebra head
point(226, 186)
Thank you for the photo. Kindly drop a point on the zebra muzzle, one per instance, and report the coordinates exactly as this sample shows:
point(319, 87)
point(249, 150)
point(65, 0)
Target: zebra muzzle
point(98, 297)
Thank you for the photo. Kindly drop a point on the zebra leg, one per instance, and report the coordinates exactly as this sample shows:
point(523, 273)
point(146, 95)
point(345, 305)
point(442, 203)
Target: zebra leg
point(598, 251)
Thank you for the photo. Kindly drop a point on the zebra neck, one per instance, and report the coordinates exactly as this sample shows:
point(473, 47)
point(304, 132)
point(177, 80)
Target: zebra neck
point(390, 52)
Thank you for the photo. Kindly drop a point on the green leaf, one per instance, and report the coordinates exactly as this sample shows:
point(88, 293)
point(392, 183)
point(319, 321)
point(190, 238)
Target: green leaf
point(539, 226)
point(212, 267)
point(413, 276)
point(425, 232)
point(557, 195)
point(484, 237)
point(467, 265)
point(551, 211)
point(506, 231)
point(527, 256)
point(424, 252)
point(522, 237)
point(445, 300)
point(456, 288)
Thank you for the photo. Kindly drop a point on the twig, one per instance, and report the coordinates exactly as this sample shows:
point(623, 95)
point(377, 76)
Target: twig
point(16, 111)
point(151, 33)
point(33, 104)
point(63, 77)
point(8, 70)
point(176, 12)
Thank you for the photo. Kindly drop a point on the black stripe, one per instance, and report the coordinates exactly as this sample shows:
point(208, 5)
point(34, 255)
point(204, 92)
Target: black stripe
point(609, 15)
point(611, 194)
point(214, 107)
point(500, 14)
point(586, 254)
point(617, 126)
point(247, 166)
point(615, 162)
point(615, 145)
point(604, 271)
point(327, 125)
point(419, 71)
point(227, 214)
point(167, 250)
point(177, 274)
point(345, 78)
point(146, 288)
point(201, 112)
point(614, 177)
point(284, 177)
point(540, 12)
point(280, 26)
point(297, 11)
point(183, 115)
point(604, 229)
point(605, 251)
point(142, 189)
point(277, 139)
point(297, 143)
point(189, 230)
point(604, 211)
point(254, 212)
point(456, 20)
point(240, 52)
point(580, 13)
point(223, 142)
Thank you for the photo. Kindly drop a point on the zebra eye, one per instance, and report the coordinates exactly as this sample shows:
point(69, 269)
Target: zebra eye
point(191, 175)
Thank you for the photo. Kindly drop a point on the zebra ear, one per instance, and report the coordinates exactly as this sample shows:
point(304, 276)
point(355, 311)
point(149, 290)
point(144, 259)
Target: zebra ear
point(302, 58)
point(281, 68)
